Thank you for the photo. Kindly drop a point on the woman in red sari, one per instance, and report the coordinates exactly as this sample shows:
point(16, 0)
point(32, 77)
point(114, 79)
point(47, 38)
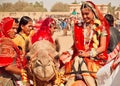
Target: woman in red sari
point(91, 39)
point(9, 52)
point(10, 55)
point(45, 31)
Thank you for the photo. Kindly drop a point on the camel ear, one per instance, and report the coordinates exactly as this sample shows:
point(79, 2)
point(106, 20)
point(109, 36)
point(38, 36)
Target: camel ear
point(28, 58)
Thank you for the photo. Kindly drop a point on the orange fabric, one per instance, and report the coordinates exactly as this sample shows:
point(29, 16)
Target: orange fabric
point(68, 66)
point(79, 83)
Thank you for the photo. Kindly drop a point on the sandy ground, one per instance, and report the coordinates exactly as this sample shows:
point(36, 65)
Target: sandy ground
point(65, 41)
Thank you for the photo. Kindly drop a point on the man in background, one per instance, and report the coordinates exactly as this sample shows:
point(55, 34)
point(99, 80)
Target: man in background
point(114, 33)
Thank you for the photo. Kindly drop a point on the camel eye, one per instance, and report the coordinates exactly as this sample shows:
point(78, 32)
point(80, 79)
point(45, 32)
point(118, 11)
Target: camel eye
point(28, 58)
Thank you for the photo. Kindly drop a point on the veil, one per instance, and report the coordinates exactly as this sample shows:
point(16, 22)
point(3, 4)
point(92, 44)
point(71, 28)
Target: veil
point(44, 32)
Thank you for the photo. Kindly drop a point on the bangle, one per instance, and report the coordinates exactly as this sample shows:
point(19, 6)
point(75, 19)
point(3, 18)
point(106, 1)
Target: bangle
point(70, 52)
point(93, 52)
point(24, 76)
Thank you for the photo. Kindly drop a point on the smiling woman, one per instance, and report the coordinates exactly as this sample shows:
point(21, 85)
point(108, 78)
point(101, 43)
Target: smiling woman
point(91, 40)
point(23, 32)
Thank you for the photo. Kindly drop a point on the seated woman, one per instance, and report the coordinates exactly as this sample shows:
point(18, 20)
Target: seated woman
point(91, 39)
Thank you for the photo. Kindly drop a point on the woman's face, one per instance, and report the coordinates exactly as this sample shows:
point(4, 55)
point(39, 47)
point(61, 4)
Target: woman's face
point(87, 15)
point(12, 32)
point(27, 28)
point(53, 27)
point(15, 25)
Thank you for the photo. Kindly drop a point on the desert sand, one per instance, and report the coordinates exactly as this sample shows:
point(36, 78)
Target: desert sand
point(65, 41)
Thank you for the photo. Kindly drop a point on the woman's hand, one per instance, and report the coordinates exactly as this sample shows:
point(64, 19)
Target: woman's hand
point(83, 53)
point(65, 57)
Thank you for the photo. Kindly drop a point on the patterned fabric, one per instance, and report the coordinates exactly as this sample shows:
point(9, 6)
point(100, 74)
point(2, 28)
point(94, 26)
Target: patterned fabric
point(8, 51)
point(114, 55)
point(109, 74)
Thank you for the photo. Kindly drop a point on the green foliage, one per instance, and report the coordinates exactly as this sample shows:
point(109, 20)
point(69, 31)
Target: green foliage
point(60, 7)
point(21, 6)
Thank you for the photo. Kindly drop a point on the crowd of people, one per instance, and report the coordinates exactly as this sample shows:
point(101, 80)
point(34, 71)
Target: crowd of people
point(29, 56)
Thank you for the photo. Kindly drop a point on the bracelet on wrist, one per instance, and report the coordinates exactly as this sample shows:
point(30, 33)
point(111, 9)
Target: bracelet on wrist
point(93, 52)
point(70, 52)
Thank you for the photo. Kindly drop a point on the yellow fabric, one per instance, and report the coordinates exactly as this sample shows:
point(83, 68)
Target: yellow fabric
point(20, 40)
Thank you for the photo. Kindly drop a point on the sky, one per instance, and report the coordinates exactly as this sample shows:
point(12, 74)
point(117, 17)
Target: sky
point(49, 3)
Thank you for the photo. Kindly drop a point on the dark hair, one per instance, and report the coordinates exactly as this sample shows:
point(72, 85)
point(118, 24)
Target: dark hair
point(23, 21)
point(110, 19)
point(16, 20)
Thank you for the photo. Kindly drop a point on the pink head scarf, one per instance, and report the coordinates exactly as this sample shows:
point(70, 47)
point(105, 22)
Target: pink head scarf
point(44, 31)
